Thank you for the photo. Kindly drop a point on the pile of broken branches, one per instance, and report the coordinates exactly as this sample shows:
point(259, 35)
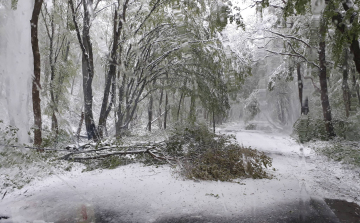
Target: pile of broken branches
point(90, 152)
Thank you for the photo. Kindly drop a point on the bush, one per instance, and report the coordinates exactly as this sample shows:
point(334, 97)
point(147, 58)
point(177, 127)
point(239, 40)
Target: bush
point(8, 135)
point(341, 151)
point(307, 128)
point(250, 126)
point(208, 156)
point(53, 140)
point(191, 139)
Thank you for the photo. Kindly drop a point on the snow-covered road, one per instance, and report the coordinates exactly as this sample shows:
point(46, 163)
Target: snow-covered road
point(137, 193)
point(316, 174)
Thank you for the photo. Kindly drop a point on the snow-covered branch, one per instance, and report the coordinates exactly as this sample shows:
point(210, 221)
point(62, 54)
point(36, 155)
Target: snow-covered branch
point(289, 37)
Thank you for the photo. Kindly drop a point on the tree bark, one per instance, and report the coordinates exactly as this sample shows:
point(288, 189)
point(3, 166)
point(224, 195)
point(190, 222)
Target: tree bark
point(192, 112)
point(159, 109)
point(166, 109)
point(166, 102)
point(345, 85)
point(37, 72)
point(112, 102)
point(323, 83)
point(150, 112)
point(300, 87)
point(213, 119)
point(120, 112)
point(179, 106)
point(88, 73)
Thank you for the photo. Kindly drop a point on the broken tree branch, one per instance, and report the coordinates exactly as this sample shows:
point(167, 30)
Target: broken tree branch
point(67, 157)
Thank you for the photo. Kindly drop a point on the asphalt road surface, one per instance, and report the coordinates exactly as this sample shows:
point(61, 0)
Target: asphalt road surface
point(313, 211)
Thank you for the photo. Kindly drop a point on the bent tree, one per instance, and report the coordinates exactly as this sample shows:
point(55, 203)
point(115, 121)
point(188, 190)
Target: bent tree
point(158, 46)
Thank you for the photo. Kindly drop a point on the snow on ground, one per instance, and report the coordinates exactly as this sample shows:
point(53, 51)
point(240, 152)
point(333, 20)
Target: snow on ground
point(141, 193)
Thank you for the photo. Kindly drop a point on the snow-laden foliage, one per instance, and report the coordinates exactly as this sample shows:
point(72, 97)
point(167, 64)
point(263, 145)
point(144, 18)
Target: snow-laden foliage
point(341, 151)
point(208, 156)
point(20, 164)
point(281, 74)
point(8, 135)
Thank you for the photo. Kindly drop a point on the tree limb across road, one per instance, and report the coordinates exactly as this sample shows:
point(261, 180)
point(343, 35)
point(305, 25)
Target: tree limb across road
point(151, 149)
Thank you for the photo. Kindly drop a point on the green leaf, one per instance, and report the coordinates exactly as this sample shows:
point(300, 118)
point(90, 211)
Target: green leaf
point(14, 4)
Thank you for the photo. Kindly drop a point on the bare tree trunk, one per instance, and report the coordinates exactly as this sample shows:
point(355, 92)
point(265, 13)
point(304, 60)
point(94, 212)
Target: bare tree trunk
point(37, 72)
point(120, 112)
point(166, 103)
point(213, 119)
point(300, 87)
point(205, 114)
point(166, 109)
point(179, 106)
point(358, 92)
point(345, 85)
point(159, 110)
point(150, 112)
point(323, 82)
point(192, 112)
point(112, 101)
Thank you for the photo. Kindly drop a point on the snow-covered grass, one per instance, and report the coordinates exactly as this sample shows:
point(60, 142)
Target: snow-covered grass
point(19, 166)
point(346, 152)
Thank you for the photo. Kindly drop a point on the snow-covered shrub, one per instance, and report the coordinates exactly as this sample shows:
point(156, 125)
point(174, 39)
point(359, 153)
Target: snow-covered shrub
point(189, 139)
point(8, 135)
point(307, 128)
point(208, 156)
point(342, 151)
point(250, 126)
point(19, 164)
point(56, 141)
point(230, 162)
point(110, 162)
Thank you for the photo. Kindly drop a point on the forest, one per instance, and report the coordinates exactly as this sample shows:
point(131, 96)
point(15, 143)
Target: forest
point(101, 84)
point(102, 68)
